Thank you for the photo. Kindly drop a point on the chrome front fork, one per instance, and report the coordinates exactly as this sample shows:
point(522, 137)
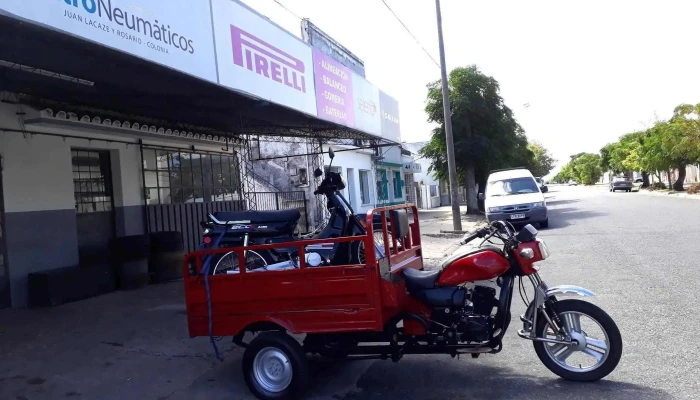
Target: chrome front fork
point(537, 309)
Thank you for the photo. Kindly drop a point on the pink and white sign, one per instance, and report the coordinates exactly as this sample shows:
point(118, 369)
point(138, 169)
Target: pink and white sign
point(334, 100)
point(260, 58)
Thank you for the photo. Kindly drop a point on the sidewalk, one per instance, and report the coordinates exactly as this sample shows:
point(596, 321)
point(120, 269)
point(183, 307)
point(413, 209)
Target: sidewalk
point(435, 225)
point(666, 193)
point(131, 345)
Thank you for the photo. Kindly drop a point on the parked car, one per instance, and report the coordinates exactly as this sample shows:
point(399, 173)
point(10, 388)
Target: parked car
point(542, 184)
point(513, 195)
point(621, 184)
point(573, 183)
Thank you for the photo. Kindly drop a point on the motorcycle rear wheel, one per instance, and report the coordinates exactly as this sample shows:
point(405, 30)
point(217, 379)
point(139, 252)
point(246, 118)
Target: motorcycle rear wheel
point(605, 350)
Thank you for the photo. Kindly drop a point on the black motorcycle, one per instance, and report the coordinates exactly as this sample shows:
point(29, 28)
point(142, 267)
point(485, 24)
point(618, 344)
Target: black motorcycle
point(246, 228)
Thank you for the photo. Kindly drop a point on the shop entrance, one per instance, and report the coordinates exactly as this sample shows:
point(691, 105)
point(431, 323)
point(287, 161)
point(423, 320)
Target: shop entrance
point(94, 204)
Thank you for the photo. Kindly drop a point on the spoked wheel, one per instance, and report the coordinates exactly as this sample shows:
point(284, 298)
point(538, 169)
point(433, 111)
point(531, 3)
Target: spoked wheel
point(228, 263)
point(597, 344)
point(275, 367)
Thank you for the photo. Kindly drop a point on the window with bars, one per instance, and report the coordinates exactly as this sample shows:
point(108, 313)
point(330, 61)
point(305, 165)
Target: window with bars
point(174, 177)
point(92, 181)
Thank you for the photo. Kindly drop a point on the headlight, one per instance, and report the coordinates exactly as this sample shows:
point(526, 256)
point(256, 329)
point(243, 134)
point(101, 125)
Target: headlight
point(538, 204)
point(543, 249)
point(495, 209)
point(206, 231)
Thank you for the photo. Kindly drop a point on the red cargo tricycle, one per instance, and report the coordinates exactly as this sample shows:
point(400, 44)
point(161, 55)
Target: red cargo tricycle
point(389, 306)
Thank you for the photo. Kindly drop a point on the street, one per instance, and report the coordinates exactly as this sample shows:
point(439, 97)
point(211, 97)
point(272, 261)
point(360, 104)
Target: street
point(638, 253)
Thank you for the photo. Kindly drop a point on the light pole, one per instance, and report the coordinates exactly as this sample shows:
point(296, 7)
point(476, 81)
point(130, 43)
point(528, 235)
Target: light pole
point(452, 168)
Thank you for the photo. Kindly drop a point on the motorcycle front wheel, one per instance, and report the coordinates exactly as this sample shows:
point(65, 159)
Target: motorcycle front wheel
point(597, 347)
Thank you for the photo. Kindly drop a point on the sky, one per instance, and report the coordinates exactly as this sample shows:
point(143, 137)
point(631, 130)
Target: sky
point(577, 74)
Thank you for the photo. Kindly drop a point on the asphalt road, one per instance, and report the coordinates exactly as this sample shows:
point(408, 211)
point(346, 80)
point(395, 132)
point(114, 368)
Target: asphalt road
point(640, 254)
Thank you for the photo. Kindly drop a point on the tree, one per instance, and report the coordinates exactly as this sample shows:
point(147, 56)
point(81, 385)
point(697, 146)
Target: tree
point(485, 132)
point(587, 169)
point(583, 167)
point(681, 140)
point(543, 162)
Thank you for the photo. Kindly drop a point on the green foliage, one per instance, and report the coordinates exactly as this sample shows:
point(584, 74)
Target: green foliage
point(485, 132)
point(587, 168)
point(543, 162)
point(583, 168)
point(667, 145)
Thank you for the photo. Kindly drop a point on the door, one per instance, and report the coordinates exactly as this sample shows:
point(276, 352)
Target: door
point(351, 189)
point(4, 270)
point(94, 204)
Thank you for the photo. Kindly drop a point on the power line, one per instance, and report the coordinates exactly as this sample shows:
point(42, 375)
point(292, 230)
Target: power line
point(287, 9)
point(410, 33)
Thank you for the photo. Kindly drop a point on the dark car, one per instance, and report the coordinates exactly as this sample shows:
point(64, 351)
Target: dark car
point(621, 184)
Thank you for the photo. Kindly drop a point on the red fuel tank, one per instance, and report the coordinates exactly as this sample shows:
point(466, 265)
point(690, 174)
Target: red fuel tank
point(479, 265)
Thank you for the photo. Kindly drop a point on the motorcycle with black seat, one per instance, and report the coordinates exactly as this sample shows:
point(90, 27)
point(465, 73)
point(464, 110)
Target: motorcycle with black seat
point(573, 338)
point(246, 228)
point(464, 307)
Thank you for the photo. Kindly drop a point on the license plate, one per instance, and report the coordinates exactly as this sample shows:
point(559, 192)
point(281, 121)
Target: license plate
point(517, 216)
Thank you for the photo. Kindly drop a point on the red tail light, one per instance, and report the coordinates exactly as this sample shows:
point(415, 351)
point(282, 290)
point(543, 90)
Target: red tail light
point(207, 240)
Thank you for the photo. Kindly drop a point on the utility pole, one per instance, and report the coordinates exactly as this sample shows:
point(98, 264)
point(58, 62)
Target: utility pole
point(454, 195)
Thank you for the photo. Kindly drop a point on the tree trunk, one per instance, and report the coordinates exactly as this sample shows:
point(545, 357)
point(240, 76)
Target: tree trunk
point(678, 186)
point(645, 179)
point(470, 183)
point(481, 189)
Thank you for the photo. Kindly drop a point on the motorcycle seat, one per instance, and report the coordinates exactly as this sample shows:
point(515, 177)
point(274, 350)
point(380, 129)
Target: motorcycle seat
point(421, 279)
point(257, 217)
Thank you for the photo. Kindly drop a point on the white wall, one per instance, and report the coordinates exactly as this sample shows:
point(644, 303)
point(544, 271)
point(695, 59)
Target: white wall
point(357, 160)
point(37, 171)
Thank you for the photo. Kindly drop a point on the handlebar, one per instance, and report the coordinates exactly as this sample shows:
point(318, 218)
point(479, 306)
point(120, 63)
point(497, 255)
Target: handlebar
point(491, 229)
point(480, 233)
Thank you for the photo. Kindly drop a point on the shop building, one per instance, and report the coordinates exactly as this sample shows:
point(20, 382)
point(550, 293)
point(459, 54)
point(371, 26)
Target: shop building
point(112, 124)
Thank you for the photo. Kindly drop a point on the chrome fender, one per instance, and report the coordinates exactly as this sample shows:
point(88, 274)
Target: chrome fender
point(568, 291)
point(541, 296)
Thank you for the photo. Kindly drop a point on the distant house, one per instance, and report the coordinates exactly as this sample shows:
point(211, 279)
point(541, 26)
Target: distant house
point(428, 188)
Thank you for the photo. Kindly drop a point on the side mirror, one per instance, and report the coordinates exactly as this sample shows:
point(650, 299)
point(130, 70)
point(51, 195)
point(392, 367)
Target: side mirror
point(331, 153)
point(482, 196)
point(318, 173)
point(545, 189)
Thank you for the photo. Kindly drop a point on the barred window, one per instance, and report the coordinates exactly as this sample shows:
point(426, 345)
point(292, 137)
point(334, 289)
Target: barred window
point(173, 177)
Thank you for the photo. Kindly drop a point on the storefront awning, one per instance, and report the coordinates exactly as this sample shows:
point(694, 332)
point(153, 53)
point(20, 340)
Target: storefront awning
point(50, 68)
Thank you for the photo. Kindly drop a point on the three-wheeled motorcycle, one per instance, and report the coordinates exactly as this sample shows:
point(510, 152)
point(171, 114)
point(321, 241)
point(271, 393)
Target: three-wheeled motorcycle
point(390, 306)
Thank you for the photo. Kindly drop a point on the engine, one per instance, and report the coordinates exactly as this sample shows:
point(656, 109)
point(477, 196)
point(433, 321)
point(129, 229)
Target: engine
point(471, 323)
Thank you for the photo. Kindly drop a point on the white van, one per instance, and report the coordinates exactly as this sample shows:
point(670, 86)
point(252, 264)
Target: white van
point(513, 195)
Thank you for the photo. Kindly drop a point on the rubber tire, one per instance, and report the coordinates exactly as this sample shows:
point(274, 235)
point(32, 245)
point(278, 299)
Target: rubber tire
point(604, 320)
point(544, 224)
point(133, 274)
point(130, 248)
point(166, 266)
point(166, 241)
point(295, 354)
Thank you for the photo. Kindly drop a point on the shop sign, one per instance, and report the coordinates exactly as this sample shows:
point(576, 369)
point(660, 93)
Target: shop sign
point(174, 33)
point(389, 110)
point(258, 57)
point(366, 103)
point(412, 168)
point(334, 90)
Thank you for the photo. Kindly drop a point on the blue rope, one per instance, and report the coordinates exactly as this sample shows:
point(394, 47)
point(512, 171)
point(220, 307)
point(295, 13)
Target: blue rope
point(205, 271)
